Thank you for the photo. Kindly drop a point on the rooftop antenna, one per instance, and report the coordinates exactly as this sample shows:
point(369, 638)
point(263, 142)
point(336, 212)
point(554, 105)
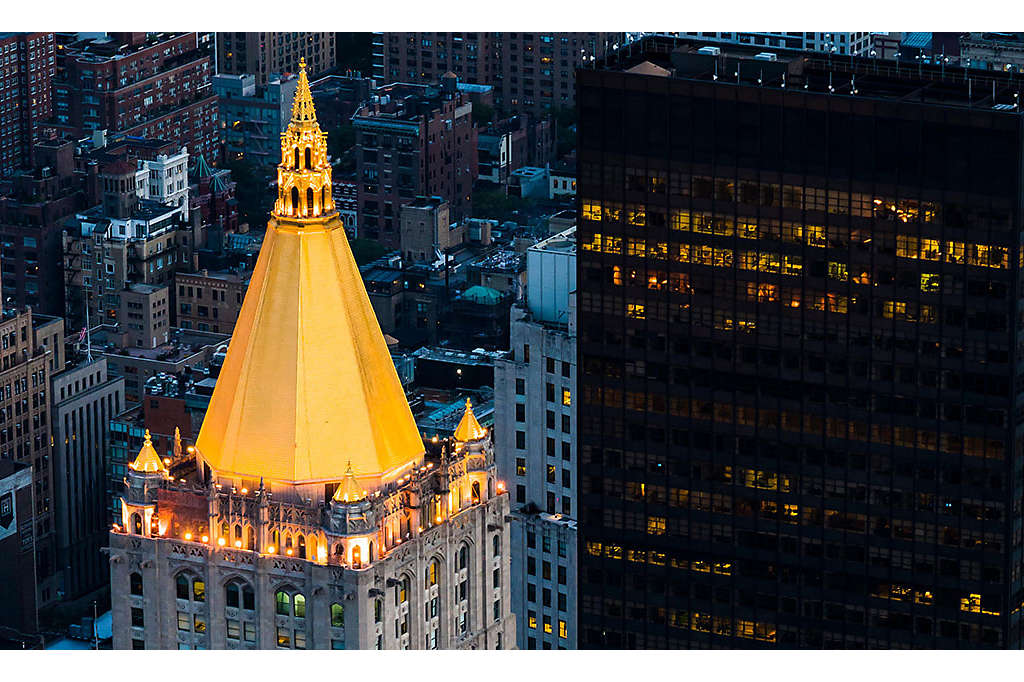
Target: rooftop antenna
point(831, 89)
point(760, 78)
point(783, 79)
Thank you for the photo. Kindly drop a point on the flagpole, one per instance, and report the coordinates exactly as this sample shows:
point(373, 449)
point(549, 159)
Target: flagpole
point(88, 332)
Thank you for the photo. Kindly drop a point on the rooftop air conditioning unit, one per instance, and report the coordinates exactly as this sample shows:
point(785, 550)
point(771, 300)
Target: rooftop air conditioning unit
point(766, 56)
point(714, 51)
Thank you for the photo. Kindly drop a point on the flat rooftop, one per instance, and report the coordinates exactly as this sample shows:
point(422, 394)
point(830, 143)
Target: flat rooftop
point(184, 344)
point(563, 242)
point(816, 72)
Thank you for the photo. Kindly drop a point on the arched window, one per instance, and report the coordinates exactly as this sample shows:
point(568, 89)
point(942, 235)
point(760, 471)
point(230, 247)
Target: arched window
point(371, 551)
point(496, 541)
point(337, 616)
point(248, 598)
point(300, 606)
point(189, 588)
point(198, 590)
point(232, 595)
point(181, 586)
point(402, 590)
point(309, 158)
point(339, 550)
point(475, 492)
point(250, 539)
point(282, 603)
point(323, 199)
point(311, 548)
point(378, 611)
point(296, 158)
point(238, 533)
point(302, 547)
point(288, 545)
point(135, 582)
point(309, 201)
point(430, 578)
point(357, 557)
point(463, 557)
point(136, 524)
point(295, 200)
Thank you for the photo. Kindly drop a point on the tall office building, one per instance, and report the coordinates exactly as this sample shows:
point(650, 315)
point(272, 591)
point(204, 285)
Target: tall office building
point(534, 411)
point(311, 513)
point(274, 53)
point(27, 65)
point(799, 425)
point(530, 72)
point(85, 398)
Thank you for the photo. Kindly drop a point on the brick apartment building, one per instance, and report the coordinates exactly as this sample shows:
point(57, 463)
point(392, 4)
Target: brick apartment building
point(413, 140)
point(530, 72)
point(33, 206)
point(145, 85)
point(27, 65)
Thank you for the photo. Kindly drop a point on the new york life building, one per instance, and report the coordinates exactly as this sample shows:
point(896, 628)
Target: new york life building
point(798, 343)
point(311, 513)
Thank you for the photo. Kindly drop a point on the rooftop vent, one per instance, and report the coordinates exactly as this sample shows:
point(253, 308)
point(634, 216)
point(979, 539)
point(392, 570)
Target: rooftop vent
point(715, 51)
point(766, 56)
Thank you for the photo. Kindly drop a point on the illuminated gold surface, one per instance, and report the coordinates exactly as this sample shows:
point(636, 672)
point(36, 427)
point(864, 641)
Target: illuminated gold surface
point(349, 490)
point(469, 428)
point(148, 461)
point(308, 383)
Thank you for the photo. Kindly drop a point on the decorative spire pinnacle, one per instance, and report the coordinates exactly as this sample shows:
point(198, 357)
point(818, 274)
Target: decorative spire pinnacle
point(177, 442)
point(303, 111)
point(148, 461)
point(304, 174)
point(469, 428)
point(349, 490)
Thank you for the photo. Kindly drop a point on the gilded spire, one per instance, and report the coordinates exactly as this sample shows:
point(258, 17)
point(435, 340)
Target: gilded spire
point(304, 174)
point(469, 428)
point(177, 442)
point(303, 111)
point(148, 461)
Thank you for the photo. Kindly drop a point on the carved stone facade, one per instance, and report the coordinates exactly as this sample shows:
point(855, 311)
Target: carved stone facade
point(423, 564)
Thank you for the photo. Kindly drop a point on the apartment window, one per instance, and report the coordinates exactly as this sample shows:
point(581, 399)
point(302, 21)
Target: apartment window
point(566, 397)
point(520, 466)
point(138, 618)
point(526, 353)
point(520, 387)
point(250, 632)
point(563, 629)
point(566, 451)
point(520, 412)
point(550, 365)
point(521, 440)
point(233, 629)
point(138, 644)
point(561, 575)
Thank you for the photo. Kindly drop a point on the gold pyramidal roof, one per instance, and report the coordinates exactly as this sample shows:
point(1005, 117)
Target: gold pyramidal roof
point(469, 428)
point(148, 461)
point(349, 490)
point(308, 383)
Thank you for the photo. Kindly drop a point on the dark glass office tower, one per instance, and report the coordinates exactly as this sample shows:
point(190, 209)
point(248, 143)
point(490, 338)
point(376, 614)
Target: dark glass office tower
point(801, 401)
